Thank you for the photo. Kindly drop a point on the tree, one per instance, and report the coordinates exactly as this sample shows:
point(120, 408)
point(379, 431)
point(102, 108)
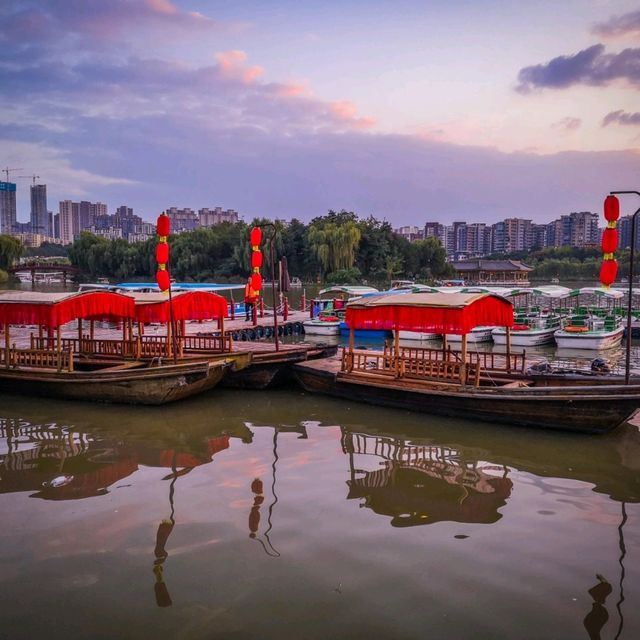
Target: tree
point(334, 240)
point(10, 250)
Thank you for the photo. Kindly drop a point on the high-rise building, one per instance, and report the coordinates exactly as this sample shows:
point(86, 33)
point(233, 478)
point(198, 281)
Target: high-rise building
point(182, 219)
point(210, 217)
point(7, 207)
point(39, 213)
point(66, 222)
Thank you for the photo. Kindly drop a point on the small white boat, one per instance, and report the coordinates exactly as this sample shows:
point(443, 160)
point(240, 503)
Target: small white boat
point(589, 331)
point(321, 327)
point(417, 335)
point(540, 331)
point(477, 334)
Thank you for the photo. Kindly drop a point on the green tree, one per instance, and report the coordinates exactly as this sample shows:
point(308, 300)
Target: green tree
point(10, 250)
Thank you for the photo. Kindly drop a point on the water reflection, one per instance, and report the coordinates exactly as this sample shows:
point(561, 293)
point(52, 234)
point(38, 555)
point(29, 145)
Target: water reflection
point(224, 494)
point(418, 483)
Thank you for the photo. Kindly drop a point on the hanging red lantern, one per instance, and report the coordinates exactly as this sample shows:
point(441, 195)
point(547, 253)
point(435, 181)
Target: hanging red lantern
point(162, 253)
point(163, 225)
point(163, 279)
point(609, 240)
point(256, 259)
point(608, 272)
point(256, 281)
point(255, 237)
point(611, 208)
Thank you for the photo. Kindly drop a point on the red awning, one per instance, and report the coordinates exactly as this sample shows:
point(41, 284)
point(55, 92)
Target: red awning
point(188, 305)
point(455, 313)
point(55, 309)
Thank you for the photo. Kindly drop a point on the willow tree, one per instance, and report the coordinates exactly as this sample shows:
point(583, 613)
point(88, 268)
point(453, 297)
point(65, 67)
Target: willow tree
point(334, 240)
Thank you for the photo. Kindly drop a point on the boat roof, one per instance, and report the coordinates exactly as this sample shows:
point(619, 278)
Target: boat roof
point(500, 291)
point(352, 290)
point(605, 292)
point(185, 305)
point(546, 291)
point(175, 286)
point(433, 300)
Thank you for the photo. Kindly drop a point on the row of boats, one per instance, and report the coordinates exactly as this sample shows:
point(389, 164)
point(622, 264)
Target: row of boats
point(589, 318)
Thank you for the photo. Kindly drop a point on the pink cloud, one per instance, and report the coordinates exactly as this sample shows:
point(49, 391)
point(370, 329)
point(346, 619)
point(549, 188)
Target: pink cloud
point(231, 65)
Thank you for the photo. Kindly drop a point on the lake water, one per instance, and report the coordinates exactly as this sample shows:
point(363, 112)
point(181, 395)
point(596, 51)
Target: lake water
point(284, 515)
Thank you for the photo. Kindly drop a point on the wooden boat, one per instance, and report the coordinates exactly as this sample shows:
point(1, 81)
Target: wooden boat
point(453, 386)
point(130, 383)
point(106, 370)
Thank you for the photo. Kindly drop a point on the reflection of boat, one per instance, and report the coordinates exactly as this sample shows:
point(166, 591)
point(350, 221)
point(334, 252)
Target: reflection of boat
point(418, 483)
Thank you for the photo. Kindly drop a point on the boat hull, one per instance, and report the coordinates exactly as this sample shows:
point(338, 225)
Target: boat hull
point(582, 410)
point(529, 338)
point(149, 386)
point(417, 335)
point(479, 334)
point(589, 340)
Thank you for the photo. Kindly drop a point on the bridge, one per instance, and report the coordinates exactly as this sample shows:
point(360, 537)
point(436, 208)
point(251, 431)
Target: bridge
point(67, 270)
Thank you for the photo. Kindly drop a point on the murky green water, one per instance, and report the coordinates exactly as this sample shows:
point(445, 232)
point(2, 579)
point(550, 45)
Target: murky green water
point(278, 515)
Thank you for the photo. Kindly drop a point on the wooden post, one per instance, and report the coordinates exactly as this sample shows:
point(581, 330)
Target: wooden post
point(352, 337)
point(91, 329)
point(7, 346)
point(169, 340)
point(40, 336)
point(79, 335)
point(221, 333)
point(59, 347)
point(463, 364)
point(508, 330)
point(444, 347)
point(396, 349)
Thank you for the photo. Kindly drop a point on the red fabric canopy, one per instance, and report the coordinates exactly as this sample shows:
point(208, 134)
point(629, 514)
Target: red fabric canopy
point(430, 312)
point(190, 305)
point(55, 309)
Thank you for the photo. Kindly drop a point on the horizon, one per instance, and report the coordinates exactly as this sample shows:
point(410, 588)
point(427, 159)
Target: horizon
point(405, 111)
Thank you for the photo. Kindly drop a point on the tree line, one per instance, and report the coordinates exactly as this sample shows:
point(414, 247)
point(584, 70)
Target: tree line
point(338, 247)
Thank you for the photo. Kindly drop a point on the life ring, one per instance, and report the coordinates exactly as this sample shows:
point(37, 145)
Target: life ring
point(329, 319)
point(520, 327)
point(573, 329)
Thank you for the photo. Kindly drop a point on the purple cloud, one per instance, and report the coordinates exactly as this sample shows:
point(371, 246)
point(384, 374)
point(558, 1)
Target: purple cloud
point(591, 66)
point(621, 117)
point(619, 25)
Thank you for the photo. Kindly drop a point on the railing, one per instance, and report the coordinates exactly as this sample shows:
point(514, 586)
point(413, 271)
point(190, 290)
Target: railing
point(141, 347)
point(37, 358)
point(418, 366)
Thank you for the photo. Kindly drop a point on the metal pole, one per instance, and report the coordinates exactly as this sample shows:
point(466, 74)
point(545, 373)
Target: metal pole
point(627, 366)
point(273, 290)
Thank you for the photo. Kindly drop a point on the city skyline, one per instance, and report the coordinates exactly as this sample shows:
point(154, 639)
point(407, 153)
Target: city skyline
point(406, 111)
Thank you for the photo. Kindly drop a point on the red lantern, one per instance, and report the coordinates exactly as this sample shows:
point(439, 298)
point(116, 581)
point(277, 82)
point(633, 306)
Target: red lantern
point(609, 240)
point(162, 253)
point(255, 237)
point(163, 225)
point(256, 259)
point(611, 208)
point(163, 279)
point(608, 272)
point(256, 281)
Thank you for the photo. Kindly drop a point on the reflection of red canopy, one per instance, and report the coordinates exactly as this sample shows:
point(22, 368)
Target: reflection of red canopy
point(55, 309)
point(189, 305)
point(455, 313)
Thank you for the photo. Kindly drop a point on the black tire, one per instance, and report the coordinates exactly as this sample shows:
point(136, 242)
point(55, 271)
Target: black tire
point(288, 329)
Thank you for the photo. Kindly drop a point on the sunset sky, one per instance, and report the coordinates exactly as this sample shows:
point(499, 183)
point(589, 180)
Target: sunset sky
point(406, 110)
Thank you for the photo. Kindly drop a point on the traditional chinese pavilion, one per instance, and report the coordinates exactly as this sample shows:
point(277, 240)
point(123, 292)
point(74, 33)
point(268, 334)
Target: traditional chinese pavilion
point(493, 272)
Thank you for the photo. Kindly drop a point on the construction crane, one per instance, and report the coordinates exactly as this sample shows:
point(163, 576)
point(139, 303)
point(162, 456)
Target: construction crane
point(34, 178)
point(7, 169)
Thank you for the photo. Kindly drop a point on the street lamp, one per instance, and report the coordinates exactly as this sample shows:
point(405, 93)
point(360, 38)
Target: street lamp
point(627, 370)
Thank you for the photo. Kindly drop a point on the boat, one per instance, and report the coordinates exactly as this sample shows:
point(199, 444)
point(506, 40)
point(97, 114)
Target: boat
point(131, 370)
point(444, 382)
point(326, 310)
point(594, 328)
point(534, 325)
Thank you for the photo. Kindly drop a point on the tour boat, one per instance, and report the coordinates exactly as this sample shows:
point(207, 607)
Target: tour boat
point(534, 326)
point(328, 308)
point(592, 329)
point(461, 384)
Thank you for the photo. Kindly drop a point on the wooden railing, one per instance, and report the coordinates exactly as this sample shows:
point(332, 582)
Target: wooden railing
point(37, 358)
point(140, 347)
point(418, 366)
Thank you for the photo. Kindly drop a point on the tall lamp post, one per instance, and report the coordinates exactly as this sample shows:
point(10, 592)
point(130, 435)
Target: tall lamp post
point(272, 238)
point(627, 370)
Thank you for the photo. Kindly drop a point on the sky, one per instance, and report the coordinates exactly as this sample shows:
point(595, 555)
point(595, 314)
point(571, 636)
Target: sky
point(407, 110)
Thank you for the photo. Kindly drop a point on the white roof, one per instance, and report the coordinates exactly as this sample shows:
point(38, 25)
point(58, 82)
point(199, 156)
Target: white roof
point(599, 291)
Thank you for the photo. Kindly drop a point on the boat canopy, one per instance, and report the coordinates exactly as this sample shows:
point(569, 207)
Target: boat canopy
point(55, 309)
point(546, 291)
point(351, 290)
point(500, 291)
point(424, 288)
point(455, 313)
point(187, 305)
point(176, 286)
point(604, 292)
